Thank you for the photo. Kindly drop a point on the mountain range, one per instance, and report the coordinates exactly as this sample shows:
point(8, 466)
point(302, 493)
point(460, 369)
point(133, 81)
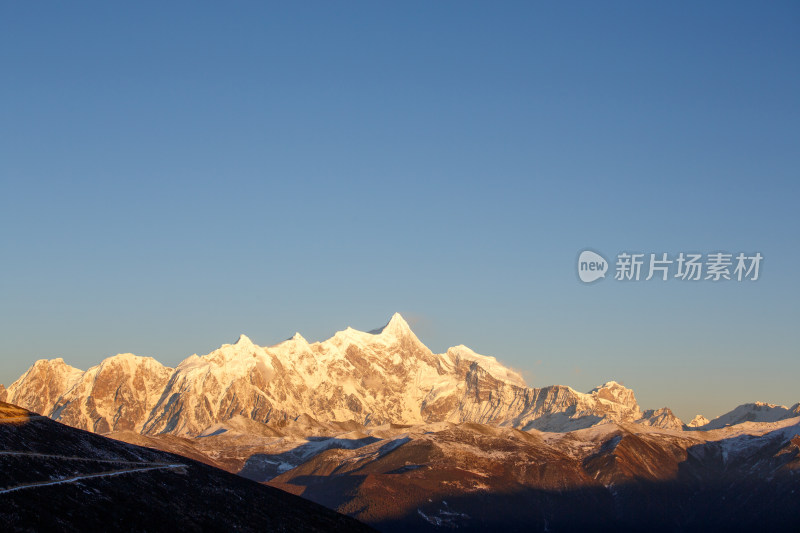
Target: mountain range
point(377, 426)
point(384, 376)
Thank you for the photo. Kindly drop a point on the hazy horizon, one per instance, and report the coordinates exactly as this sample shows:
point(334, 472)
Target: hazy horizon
point(177, 175)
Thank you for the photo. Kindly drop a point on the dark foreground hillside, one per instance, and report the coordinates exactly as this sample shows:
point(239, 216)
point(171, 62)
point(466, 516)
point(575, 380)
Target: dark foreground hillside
point(57, 478)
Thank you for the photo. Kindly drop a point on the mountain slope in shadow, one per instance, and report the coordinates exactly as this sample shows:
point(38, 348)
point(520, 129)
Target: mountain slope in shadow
point(615, 477)
point(57, 478)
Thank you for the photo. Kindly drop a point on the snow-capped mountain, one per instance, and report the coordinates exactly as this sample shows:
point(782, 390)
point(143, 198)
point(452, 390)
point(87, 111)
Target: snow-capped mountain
point(387, 375)
point(118, 394)
point(750, 412)
point(698, 421)
point(663, 418)
point(40, 387)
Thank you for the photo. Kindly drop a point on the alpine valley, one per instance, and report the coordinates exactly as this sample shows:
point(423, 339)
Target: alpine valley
point(377, 426)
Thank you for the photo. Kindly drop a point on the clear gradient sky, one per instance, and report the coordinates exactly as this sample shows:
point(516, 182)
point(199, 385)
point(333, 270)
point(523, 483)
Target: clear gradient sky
point(176, 174)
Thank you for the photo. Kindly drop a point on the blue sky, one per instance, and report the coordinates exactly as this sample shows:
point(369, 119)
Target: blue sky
point(174, 176)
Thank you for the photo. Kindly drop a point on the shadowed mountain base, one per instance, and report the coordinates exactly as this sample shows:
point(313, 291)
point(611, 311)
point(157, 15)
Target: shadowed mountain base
point(56, 478)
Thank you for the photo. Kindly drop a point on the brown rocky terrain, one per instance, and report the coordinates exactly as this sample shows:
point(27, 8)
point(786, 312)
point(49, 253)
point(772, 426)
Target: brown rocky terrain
point(612, 477)
point(480, 477)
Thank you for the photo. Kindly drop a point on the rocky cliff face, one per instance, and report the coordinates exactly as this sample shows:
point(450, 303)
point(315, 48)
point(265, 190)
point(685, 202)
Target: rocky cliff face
point(42, 385)
point(662, 418)
point(116, 395)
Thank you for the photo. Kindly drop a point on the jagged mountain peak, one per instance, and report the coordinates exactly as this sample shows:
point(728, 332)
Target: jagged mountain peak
point(395, 331)
point(663, 418)
point(226, 354)
point(767, 405)
point(297, 337)
point(56, 365)
point(243, 341)
point(116, 394)
point(229, 360)
point(42, 384)
point(397, 325)
point(698, 421)
point(617, 393)
point(242, 348)
point(295, 343)
point(611, 386)
point(56, 361)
